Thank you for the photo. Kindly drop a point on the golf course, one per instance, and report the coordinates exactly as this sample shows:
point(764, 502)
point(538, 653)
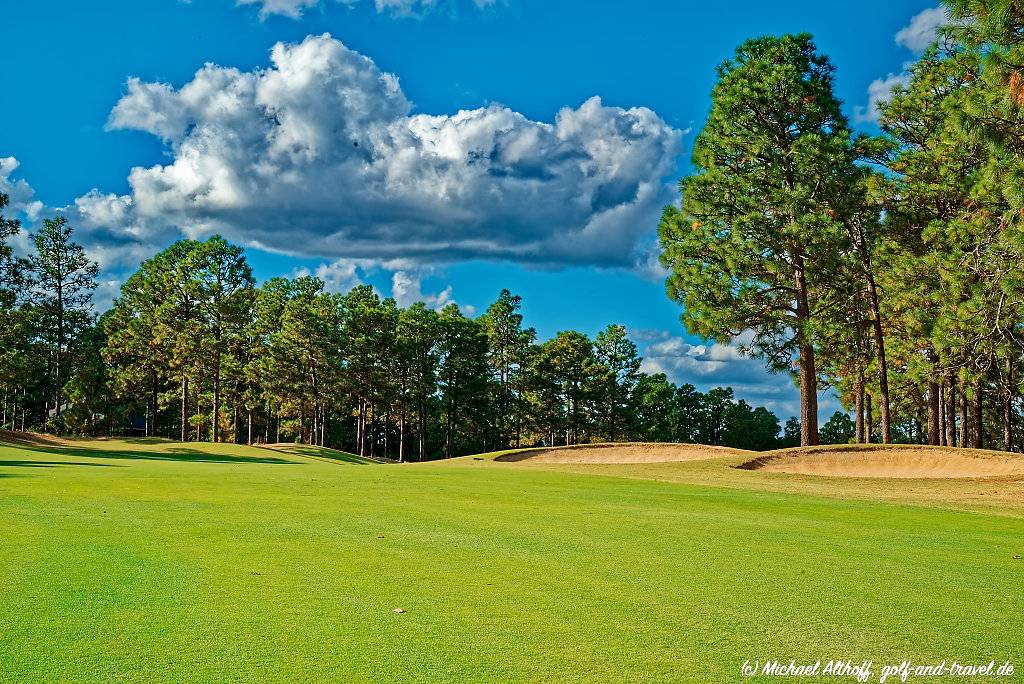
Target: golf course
point(155, 561)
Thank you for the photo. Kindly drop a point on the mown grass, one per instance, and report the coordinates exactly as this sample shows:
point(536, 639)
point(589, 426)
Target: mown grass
point(158, 562)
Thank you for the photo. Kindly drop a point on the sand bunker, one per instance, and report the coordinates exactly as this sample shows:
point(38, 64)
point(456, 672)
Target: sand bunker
point(891, 462)
point(621, 453)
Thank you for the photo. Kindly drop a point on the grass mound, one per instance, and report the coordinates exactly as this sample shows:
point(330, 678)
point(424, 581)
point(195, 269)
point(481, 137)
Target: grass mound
point(890, 461)
point(620, 453)
point(29, 439)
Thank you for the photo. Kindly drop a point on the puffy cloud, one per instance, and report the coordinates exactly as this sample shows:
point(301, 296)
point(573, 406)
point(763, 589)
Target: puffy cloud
point(320, 154)
point(407, 288)
point(923, 29)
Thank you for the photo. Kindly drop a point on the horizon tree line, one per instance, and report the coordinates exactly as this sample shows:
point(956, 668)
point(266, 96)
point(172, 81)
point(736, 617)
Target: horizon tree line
point(195, 350)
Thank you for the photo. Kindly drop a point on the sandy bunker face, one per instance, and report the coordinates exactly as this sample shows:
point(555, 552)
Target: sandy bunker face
point(621, 453)
point(905, 462)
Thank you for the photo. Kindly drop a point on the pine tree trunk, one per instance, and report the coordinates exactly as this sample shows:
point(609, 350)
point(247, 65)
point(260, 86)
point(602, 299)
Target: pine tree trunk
point(58, 357)
point(933, 413)
point(950, 411)
point(942, 413)
point(883, 367)
point(401, 437)
point(423, 427)
point(808, 372)
point(979, 415)
point(859, 410)
point(962, 399)
point(215, 411)
point(869, 432)
point(375, 435)
point(184, 408)
point(155, 402)
point(1008, 408)
point(249, 426)
point(361, 428)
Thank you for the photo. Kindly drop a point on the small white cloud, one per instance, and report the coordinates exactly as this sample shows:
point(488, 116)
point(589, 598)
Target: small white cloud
point(706, 366)
point(916, 36)
point(402, 8)
point(879, 92)
point(20, 195)
point(923, 29)
point(341, 275)
point(286, 8)
point(407, 289)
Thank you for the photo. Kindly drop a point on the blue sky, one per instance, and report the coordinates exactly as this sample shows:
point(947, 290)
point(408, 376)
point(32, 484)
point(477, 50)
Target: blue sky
point(356, 207)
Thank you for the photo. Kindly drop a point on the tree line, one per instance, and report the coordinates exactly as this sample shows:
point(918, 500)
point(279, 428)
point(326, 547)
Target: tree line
point(886, 267)
point(193, 349)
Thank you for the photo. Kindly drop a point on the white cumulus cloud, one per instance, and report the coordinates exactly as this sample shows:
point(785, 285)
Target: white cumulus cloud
point(321, 154)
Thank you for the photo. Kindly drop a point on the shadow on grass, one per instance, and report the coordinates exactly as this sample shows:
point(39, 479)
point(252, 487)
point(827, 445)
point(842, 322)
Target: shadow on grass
point(329, 455)
point(52, 464)
point(183, 454)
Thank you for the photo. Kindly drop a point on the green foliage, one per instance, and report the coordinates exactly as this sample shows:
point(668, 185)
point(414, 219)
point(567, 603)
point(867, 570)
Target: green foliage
point(619, 362)
point(790, 434)
point(60, 283)
point(760, 236)
point(839, 429)
point(509, 348)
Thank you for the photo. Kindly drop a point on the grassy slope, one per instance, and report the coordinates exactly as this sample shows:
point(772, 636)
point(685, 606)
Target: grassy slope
point(161, 562)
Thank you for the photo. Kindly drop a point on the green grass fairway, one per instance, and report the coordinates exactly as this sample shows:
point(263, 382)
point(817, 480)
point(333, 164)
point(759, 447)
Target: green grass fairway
point(142, 561)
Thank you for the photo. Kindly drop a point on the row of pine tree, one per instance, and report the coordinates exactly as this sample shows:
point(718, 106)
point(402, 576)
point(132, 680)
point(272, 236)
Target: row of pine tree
point(888, 266)
point(193, 350)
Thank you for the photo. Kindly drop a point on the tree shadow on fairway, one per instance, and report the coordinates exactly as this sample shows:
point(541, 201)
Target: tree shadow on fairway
point(182, 454)
point(53, 464)
point(328, 454)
